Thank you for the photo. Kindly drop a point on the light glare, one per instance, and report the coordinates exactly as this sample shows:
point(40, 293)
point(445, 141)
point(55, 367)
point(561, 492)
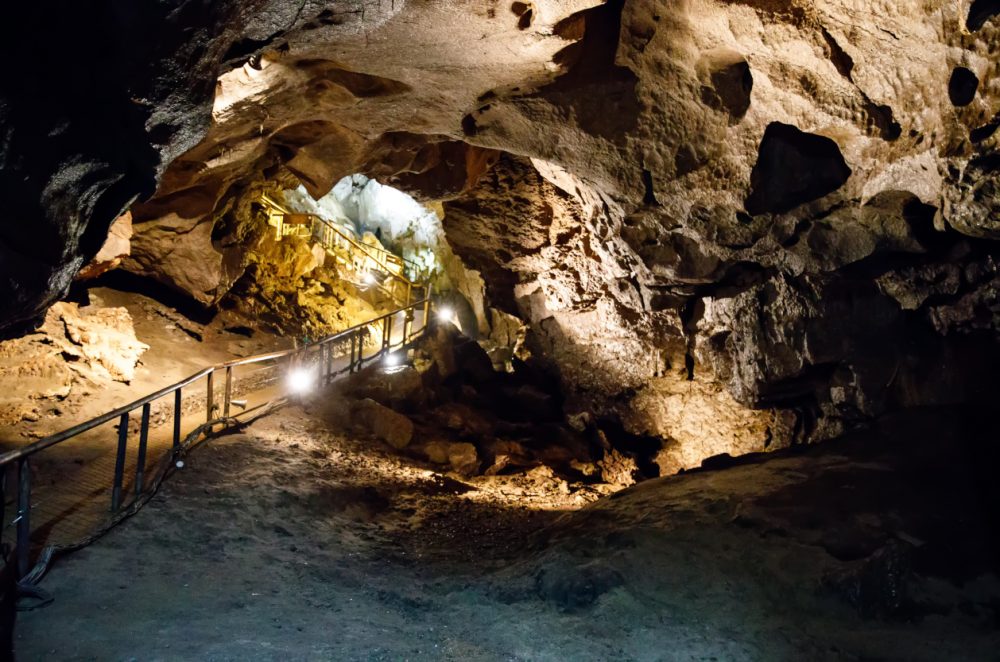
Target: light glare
point(300, 380)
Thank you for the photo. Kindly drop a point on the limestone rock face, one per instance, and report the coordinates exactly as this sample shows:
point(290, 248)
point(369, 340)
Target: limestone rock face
point(74, 346)
point(102, 337)
point(780, 216)
point(116, 248)
point(115, 95)
point(179, 252)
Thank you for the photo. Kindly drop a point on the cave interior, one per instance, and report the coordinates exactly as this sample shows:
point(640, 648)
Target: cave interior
point(550, 330)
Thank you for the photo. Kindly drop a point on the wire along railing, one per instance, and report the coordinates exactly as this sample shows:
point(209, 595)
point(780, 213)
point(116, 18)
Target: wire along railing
point(144, 453)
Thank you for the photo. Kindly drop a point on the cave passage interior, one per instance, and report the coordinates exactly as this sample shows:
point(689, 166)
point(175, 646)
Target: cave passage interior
point(549, 330)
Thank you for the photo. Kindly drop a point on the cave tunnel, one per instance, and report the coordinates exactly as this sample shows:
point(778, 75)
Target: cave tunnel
point(553, 330)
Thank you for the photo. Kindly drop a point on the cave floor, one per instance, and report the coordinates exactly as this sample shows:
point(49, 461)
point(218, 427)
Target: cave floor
point(178, 347)
point(72, 482)
point(290, 540)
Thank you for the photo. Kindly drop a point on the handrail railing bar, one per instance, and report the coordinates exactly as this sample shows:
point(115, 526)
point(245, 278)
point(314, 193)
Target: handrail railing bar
point(362, 246)
point(140, 463)
point(116, 488)
point(177, 417)
point(23, 515)
point(58, 437)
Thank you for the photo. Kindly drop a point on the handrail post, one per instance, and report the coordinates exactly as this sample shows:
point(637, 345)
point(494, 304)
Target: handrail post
point(407, 325)
point(321, 363)
point(3, 500)
point(140, 463)
point(23, 516)
point(210, 404)
point(329, 363)
point(387, 335)
point(229, 391)
point(116, 489)
point(354, 341)
point(177, 418)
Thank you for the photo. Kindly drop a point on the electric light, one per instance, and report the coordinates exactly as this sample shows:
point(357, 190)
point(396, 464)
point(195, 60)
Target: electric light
point(370, 278)
point(300, 380)
point(446, 314)
point(393, 360)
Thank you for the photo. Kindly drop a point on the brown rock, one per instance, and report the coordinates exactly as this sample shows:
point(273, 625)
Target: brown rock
point(103, 337)
point(393, 389)
point(115, 249)
point(436, 451)
point(463, 459)
point(389, 426)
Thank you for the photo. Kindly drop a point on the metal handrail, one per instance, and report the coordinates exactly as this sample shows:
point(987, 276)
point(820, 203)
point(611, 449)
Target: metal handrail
point(322, 347)
point(365, 248)
point(51, 440)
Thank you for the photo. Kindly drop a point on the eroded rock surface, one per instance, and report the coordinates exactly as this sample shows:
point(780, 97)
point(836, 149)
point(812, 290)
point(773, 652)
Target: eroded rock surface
point(74, 346)
point(781, 216)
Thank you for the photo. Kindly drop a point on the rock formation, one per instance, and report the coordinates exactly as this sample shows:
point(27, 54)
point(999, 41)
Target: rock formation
point(778, 218)
point(115, 249)
point(74, 346)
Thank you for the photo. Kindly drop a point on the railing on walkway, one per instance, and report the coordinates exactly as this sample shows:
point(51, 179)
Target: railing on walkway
point(374, 258)
point(327, 359)
point(331, 237)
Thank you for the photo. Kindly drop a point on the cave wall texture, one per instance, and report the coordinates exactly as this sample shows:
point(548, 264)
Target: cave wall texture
point(730, 224)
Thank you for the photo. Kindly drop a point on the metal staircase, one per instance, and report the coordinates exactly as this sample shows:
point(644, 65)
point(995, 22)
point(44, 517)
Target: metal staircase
point(371, 264)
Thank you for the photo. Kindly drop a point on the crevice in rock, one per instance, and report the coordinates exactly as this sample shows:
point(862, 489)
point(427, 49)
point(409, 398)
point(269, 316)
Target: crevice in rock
point(649, 198)
point(980, 12)
point(524, 13)
point(692, 311)
point(840, 59)
point(469, 127)
point(962, 86)
point(730, 83)
point(881, 119)
point(986, 131)
point(793, 167)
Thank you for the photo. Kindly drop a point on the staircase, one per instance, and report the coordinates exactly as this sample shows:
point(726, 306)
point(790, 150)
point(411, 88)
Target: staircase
point(371, 265)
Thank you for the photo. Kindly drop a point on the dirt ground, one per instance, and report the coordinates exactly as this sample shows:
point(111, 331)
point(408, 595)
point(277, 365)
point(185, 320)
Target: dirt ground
point(292, 541)
point(179, 346)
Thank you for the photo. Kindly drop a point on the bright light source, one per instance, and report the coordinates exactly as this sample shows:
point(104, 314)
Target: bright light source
point(300, 380)
point(370, 278)
point(446, 314)
point(392, 360)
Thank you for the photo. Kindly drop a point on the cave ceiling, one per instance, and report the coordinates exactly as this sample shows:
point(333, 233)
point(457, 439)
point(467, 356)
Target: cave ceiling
point(780, 215)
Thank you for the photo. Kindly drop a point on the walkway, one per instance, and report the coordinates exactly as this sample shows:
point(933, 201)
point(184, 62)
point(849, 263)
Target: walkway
point(72, 481)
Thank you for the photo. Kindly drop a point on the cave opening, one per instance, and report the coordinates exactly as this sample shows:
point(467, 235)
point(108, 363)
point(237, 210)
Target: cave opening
point(541, 331)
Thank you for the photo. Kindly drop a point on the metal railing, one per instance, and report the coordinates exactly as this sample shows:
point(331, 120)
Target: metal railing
point(332, 237)
point(375, 257)
point(328, 358)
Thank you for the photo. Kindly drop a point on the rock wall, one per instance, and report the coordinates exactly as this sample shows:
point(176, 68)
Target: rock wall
point(781, 215)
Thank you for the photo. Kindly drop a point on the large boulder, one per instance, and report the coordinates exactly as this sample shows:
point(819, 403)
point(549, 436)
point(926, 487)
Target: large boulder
point(389, 426)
